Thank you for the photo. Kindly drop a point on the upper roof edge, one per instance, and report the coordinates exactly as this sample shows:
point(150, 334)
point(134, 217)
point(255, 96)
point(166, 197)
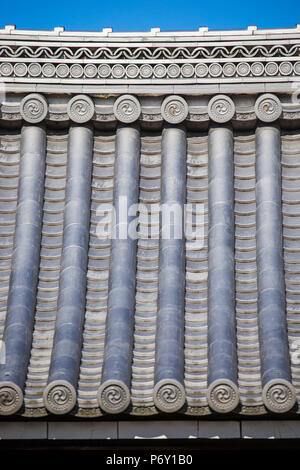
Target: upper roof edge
point(154, 33)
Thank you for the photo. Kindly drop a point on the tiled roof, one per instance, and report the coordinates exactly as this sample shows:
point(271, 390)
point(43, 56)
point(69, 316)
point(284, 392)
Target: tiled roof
point(95, 320)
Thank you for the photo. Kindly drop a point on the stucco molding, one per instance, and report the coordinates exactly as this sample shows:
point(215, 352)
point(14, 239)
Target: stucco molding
point(61, 56)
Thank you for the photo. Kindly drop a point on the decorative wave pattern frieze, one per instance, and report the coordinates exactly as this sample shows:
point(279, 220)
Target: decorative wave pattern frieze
point(157, 52)
point(138, 61)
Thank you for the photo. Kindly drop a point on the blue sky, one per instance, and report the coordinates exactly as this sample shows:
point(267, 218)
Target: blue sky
point(142, 14)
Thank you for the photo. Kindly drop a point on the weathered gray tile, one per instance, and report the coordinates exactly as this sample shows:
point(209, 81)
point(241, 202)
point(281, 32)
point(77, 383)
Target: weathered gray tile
point(270, 429)
point(157, 429)
point(208, 88)
point(219, 429)
point(23, 430)
point(83, 430)
point(242, 87)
